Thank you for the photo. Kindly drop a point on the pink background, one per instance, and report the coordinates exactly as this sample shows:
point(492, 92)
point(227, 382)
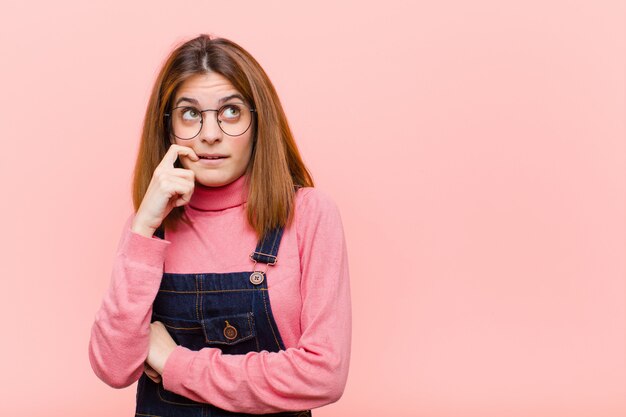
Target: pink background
point(476, 150)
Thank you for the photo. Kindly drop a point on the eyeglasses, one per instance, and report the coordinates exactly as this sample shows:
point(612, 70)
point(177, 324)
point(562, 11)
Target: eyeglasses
point(234, 119)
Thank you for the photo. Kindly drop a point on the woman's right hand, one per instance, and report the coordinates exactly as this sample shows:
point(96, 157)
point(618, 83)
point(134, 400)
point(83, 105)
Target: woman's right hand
point(169, 187)
point(151, 373)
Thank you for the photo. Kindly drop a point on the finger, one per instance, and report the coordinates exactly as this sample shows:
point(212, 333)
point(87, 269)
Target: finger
point(155, 379)
point(182, 201)
point(183, 173)
point(151, 373)
point(150, 370)
point(176, 186)
point(174, 152)
point(181, 185)
point(187, 188)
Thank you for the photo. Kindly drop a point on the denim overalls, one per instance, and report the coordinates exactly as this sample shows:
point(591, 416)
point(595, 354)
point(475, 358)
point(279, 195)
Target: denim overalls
point(230, 311)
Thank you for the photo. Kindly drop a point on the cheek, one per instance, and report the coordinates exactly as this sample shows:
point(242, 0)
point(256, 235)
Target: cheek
point(244, 150)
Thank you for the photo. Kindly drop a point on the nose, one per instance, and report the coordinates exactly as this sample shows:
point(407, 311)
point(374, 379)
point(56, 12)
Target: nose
point(210, 131)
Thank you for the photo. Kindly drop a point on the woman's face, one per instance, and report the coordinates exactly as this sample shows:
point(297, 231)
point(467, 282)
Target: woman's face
point(208, 91)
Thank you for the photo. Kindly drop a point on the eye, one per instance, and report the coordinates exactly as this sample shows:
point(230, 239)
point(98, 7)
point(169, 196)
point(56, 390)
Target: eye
point(230, 112)
point(190, 114)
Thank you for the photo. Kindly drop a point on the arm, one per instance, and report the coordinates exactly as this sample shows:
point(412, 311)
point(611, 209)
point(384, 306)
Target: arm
point(309, 375)
point(120, 334)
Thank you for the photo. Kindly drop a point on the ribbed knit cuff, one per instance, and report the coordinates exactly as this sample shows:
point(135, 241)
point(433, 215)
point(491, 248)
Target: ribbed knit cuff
point(146, 250)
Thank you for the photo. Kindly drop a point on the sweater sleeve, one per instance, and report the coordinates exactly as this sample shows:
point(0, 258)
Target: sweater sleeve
point(120, 334)
point(313, 373)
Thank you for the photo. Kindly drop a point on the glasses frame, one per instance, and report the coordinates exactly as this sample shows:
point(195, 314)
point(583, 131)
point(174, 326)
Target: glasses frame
point(217, 112)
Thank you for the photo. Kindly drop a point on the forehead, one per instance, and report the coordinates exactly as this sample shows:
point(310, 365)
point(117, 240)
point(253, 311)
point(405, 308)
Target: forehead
point(206, 88)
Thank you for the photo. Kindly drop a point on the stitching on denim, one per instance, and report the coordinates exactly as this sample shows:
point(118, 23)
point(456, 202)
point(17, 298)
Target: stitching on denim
point(234, 342)
point(146, 415)
point(181, 328)
point(251, 334)
point(260, 247)
point(197, 296)
point(269, 321)
point(262, 244)
point(212, 291)
point(276, 233)
point(269, 255)
point(256, 338)
point(201, 318)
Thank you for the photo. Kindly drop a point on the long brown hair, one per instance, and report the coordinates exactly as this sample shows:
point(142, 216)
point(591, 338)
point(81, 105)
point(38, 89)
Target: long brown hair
point(275, 169)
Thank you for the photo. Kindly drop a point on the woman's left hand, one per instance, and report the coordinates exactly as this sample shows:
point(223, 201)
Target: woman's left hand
point(161, 345)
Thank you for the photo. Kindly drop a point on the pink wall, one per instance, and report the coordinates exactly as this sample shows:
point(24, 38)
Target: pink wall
point(476, 150)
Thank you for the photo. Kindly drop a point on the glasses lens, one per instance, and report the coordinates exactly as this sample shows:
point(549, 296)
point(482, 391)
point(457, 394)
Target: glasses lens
point(235, 119)
point(186, 122)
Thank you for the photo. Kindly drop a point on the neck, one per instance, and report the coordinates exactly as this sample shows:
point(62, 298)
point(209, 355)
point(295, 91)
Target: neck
point(206, 198)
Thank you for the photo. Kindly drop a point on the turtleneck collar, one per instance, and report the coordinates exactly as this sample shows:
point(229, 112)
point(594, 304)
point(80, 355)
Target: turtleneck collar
point(206, 198)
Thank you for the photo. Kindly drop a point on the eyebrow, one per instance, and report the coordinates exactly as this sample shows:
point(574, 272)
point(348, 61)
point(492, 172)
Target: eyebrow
point(222, 100)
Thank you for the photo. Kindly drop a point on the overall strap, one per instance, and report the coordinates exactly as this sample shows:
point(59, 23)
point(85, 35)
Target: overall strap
point(267, 248)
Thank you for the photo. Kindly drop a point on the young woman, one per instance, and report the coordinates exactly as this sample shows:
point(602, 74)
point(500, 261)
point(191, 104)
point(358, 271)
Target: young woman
point(230, 291)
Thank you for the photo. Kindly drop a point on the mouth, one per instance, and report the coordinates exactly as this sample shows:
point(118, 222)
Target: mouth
point(211, 156)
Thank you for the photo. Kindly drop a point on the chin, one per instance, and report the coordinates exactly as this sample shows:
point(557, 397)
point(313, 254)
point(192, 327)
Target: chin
point(214, 181)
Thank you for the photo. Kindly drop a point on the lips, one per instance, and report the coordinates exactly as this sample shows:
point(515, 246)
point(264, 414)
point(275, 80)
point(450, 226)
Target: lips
point(211, 156)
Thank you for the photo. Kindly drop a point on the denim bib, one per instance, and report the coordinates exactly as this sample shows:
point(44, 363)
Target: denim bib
point(229, 311)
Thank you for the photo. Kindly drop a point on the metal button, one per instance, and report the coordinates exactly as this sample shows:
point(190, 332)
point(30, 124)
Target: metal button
point(257, 277)
point(229, 331)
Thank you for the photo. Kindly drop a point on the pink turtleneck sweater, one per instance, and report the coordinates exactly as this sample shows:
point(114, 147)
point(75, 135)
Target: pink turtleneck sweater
point(309, 291)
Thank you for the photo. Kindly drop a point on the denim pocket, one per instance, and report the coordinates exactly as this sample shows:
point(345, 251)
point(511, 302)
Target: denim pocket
point(233, 334)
